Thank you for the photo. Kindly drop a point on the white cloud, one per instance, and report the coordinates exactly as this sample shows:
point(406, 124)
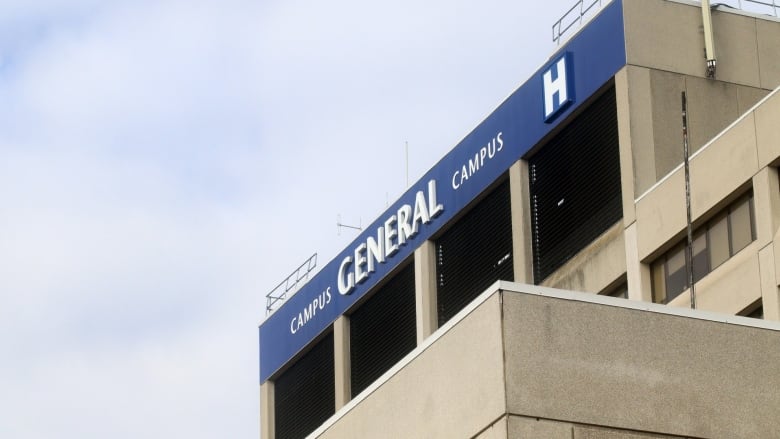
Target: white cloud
point(165, 163)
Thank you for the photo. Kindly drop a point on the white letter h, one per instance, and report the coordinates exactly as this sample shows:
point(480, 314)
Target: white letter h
point(552, 87)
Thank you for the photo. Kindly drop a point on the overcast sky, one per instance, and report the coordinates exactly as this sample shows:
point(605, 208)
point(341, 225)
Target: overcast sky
point(164, 164)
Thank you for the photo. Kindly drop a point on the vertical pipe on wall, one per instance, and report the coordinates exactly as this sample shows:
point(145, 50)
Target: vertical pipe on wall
point(689, 249)
point(709, 43)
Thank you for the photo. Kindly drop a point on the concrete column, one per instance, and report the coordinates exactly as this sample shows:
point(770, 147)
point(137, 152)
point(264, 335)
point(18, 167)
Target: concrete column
point(425, 290)
point(636, 135)
point(766, 198)
point(624, 140)
point(770, 294)
point(520, 197)
point(267, 412)
point(638, 276)
point(341, 361)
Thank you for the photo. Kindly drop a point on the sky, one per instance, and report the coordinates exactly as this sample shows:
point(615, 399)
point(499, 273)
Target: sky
point(164, 164)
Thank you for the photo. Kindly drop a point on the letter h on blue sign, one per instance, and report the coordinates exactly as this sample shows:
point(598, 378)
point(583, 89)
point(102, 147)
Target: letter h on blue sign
point(558, 86)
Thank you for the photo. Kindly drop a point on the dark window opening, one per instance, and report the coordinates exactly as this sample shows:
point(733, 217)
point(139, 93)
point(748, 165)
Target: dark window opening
point(383, 329)
point(575, 186)
point(475, 252)
point(305, 394)
point(713, 244)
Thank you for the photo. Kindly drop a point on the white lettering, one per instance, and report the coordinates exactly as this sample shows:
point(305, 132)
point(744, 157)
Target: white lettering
point(376, 249)
point(420, 211)
point(390, 247)
point(360, 260)
point(405, 229)
point(433, 205)
point(397, 231)
point(553, 87)
point(308, 313)
point(474, 166)
point(477, 162)
point(346, 281)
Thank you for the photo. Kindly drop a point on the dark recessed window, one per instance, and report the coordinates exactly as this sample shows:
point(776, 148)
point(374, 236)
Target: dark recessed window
point(724, 236)
point(475, 252)
point(305, 394)
point(575, 186)
point(383, 329)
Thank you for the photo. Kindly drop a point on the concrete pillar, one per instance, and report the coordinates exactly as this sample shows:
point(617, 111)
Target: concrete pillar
point(267, 412)
point(770, 294)
point(766, 198)
point(425, 290)
point(624, 140)
point(636, 135)
point(520, 197)
point(638, 276)
point(341, 361)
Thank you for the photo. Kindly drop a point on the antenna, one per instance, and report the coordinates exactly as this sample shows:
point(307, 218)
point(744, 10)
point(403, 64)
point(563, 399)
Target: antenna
point(340, 225)
point(709, 41)
point(407, 163)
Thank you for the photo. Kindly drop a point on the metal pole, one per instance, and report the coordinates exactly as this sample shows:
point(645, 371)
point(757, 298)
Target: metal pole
point(407, 164)
point(689, 249)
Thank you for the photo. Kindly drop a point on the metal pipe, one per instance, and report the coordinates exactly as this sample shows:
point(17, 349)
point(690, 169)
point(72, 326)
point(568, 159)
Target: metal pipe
point(709, 43)
point(689, 249)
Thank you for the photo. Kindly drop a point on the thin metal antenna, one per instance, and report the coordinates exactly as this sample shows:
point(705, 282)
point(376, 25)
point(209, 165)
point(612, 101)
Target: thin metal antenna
point(689, 249)
point(407, 163)
point(340, 225)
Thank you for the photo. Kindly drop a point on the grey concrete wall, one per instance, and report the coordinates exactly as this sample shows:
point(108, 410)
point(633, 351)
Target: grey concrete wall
point(453, 389)
point(667, 35)
point(595, 267)
point(531, 428)
point(664, 50)
point(629, 369)
point(737, 160)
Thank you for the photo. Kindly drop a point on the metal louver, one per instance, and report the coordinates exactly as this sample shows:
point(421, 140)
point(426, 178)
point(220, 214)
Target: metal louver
point(475, 252)
point(575, 186)
point(305, 394)
point(383, 329)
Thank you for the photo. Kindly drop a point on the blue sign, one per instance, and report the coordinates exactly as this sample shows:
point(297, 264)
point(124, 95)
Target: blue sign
point(598, 52)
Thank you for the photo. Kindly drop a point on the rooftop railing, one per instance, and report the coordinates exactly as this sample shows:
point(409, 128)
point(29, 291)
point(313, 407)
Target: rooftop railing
point(278, 295)
point(584, 9)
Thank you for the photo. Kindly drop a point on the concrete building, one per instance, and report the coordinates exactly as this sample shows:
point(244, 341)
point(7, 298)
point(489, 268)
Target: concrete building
point(463, 311)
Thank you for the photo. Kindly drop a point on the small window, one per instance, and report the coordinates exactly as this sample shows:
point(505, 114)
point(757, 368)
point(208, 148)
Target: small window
point(754, 311)
point(719, 240)
point(676, 278)
point(741, 226)
point(725, 235)
point(701, 262)
point(620, 291)
point(659, 280)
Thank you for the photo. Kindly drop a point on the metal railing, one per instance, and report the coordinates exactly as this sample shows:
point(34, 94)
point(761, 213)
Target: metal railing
point(280, 293)
point(761, 7)
point(573, 16)
point(577, 13)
